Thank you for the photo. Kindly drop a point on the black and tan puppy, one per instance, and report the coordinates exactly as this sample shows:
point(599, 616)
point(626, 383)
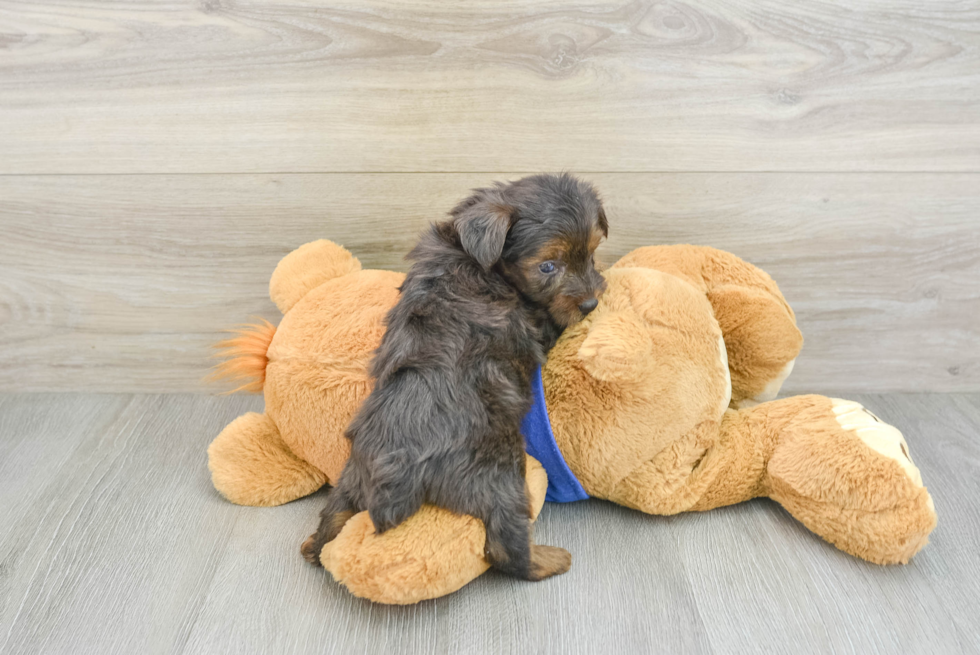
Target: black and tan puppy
point(489, 292)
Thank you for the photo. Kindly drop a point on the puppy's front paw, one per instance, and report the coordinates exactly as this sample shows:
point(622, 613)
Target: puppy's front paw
point(311, 550)
point(547, 561)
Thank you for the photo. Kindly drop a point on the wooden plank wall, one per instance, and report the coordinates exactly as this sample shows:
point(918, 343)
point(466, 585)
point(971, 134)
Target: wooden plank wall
point(158, 157)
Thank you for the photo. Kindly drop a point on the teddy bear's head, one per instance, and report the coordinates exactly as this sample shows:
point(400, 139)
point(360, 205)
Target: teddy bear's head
point(647, 368)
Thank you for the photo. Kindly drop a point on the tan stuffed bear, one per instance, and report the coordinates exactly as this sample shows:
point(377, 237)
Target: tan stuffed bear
point(660, 400)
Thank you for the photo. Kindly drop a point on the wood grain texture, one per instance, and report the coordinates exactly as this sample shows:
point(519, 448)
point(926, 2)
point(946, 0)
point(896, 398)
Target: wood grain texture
point(119, 537)
point(120, 283)
point(110, 86)
point(114, 542)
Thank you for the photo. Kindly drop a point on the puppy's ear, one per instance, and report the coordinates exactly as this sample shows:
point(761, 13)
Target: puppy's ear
point(603, 223)
point(483, 221)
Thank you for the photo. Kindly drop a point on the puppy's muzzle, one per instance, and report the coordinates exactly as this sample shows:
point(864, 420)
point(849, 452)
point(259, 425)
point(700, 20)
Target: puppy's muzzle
point(587, 306)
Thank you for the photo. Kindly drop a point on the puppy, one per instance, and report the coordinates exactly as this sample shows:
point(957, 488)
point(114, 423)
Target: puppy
point(489, 292)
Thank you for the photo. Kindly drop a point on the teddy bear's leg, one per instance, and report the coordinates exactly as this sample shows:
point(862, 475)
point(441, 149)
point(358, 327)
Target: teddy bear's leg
point(433, 553)
point(847, 476)
point(251, 465)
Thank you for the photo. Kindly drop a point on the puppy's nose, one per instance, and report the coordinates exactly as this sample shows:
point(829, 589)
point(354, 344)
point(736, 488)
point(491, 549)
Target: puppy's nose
point(588, 306)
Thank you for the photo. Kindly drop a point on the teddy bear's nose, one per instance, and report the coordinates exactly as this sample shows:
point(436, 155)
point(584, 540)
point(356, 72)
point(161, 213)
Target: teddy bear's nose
point(588, 306)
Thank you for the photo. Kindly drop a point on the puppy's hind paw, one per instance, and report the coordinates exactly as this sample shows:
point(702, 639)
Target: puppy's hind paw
point(311, 550)
point(547, 561)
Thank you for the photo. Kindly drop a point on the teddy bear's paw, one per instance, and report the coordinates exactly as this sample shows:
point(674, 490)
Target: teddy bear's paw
point(876, 434)
point(771, 389)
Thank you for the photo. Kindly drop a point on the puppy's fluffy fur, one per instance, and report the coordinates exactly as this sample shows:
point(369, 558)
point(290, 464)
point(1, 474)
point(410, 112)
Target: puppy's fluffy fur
point(489, 292)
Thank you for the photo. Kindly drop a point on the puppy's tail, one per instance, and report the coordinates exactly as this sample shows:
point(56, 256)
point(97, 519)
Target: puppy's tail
point(245, 357)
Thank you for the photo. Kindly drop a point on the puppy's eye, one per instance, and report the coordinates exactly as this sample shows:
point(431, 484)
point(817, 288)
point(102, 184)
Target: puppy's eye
point(547, 267)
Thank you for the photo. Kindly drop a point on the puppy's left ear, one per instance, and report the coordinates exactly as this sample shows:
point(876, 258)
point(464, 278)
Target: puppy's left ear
point(603, 223)
point(483, 221)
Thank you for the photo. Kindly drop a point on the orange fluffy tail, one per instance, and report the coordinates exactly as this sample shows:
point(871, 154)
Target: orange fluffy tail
point(245, 356)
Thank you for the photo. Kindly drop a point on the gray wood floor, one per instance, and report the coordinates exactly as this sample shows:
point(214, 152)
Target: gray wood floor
point(113, 541)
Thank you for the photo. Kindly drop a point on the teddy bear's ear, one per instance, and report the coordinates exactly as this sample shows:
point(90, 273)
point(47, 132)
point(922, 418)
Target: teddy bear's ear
point(616, 347)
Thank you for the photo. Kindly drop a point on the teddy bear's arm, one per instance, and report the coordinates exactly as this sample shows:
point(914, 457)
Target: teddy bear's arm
point(306, 268)
point(758, 325)
point(761, 338)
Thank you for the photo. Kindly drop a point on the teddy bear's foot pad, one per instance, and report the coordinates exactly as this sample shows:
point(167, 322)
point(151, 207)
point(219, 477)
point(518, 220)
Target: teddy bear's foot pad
point(876, 434)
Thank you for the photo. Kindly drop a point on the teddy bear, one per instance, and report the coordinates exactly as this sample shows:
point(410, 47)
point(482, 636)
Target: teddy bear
point(663, 399)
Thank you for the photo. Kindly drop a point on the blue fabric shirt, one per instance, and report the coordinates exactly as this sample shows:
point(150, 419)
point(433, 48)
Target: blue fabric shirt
point(539, 441)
